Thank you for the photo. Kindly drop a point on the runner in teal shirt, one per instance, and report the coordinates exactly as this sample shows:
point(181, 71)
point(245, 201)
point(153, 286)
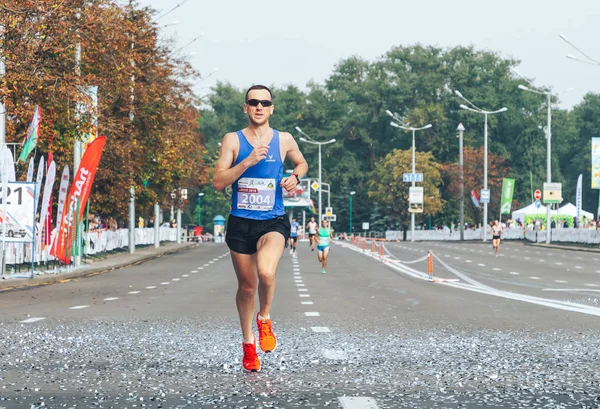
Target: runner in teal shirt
point(324, 236)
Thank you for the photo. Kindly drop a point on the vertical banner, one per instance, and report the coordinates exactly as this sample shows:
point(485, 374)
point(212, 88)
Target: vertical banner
point(9, 165)
point(89, 111)
point(30, 171)
point(80, 190)
point(595, 163)
point(508, 188)
point(62, 197)
point(38, 183)
point(578, 197)
point(45, 201)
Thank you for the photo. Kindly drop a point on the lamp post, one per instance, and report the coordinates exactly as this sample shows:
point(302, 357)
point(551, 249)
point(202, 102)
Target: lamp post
point(312, 141)
point(476, 109)
point(406, 127)
point(548, 94)
point(461, 131)
point(351, 194)
point(199, 209)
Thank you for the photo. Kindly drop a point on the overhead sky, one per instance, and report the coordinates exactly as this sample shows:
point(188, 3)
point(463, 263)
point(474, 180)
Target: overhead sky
point(284, 42)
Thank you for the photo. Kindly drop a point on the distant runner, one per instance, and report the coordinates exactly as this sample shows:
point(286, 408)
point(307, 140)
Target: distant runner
point(312, 227)
point(293, 234)
point(323, 241)
point(496, 232)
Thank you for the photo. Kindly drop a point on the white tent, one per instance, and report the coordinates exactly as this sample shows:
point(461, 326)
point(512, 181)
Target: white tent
point(571, 210)
point(568, 209)
point(527, 210)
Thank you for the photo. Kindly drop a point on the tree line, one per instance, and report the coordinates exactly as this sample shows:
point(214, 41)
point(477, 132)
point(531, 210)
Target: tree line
point(419, 82)
point(54, 51)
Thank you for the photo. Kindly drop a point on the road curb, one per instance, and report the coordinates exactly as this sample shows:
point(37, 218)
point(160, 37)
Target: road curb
point(23, 283)
point(559, 247)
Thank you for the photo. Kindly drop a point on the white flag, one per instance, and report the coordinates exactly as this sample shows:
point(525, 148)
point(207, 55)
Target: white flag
point(38, 184)
point(578, 198)
point(45, 203)
point(9, 165)
point(30, 171)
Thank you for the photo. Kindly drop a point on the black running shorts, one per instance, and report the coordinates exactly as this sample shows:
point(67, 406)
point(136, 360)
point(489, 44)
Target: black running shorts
point(294, 238)
point(243, 234)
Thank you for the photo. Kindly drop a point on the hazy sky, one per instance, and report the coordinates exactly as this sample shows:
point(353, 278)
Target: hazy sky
point(284, 42)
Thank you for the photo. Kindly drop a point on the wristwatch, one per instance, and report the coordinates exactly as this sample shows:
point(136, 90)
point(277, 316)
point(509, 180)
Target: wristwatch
point(297, 178)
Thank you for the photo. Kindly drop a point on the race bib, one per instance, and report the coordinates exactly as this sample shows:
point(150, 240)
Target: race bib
point(324, 241)
point(256, 194)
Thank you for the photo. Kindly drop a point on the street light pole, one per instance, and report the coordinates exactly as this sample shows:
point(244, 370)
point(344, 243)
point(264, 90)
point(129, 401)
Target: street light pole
point(351, 194)
point(476, 109)
point(199, 209)
point(548, 94)
point(312, 141)
point(406, 127)
point(461, 131)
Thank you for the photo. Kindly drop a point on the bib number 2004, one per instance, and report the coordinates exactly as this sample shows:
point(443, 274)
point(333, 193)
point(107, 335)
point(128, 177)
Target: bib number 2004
point(256, 194)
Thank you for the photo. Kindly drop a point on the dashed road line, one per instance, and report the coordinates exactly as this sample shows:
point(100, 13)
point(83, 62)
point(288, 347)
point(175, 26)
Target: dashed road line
point(307, 302)
point(151, 287)
point(357, 402)
point(78, 307)
point(312, 314)
point(165, 283)
point(133, 292)
point(32, 319)
point(320, 329)
point(111, 299)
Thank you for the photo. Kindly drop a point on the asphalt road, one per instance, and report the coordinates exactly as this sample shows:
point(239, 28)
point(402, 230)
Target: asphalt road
point(519, 330)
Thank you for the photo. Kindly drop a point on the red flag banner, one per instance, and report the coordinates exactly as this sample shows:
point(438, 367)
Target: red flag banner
point(80, 190)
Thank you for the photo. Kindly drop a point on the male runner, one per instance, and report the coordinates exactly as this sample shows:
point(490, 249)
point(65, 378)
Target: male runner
point(251, 160)
point(323, 237)
point(294, 225)
point(496, 231)
point(312, 227)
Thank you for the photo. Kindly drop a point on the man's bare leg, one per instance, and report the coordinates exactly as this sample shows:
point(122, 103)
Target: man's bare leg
point(245, 298)
point(270, 249)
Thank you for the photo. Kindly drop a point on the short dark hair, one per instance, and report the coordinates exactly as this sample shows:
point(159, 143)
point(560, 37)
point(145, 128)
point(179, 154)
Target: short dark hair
point(257, 87)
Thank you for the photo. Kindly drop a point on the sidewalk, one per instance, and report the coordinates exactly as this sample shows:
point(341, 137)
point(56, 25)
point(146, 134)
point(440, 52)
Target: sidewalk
point(589, 248)
point(111, 262)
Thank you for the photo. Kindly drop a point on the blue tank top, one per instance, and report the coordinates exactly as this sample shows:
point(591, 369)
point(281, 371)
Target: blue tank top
point(257, 194)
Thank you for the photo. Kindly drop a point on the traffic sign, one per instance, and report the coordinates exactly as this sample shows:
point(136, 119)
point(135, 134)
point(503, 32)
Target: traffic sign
point(537, 204)
point(552, 193)
point(537, 194)
point(412, 177)
point(485, 196)
point(328, 211)
point(315, 185)
point(331, 218)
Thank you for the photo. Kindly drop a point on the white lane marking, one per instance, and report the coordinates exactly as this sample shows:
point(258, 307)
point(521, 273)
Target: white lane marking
point(78, 307)
point(165, 283)
point(481, 265)
point(200, 268)
point(312, 314)
point(561, 281)
point(456, 258)
point(151, 287)
point(302, 289)
point(535, 278)
point(307, 303)
point(558, 263)
point(468, 261)
point(578, 267)
point(210, 262)
point(446, 255)
point(133, 292)
point(568, 290)
point(111, 298)
point(527, 258)
point(358, 402)
point(496, 269)
point(298, 280)
point(541, 261)
point(185, 275)
point(514, 273)
point(304, 295)
point(299, 285)
point(32, 319)
point(194, 271)
point(320, 329)
point(176, 279)
point(206, 265)
point(591, 285)
point(215, 259)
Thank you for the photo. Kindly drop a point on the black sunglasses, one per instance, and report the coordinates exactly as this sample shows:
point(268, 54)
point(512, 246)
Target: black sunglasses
point(263, 102)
